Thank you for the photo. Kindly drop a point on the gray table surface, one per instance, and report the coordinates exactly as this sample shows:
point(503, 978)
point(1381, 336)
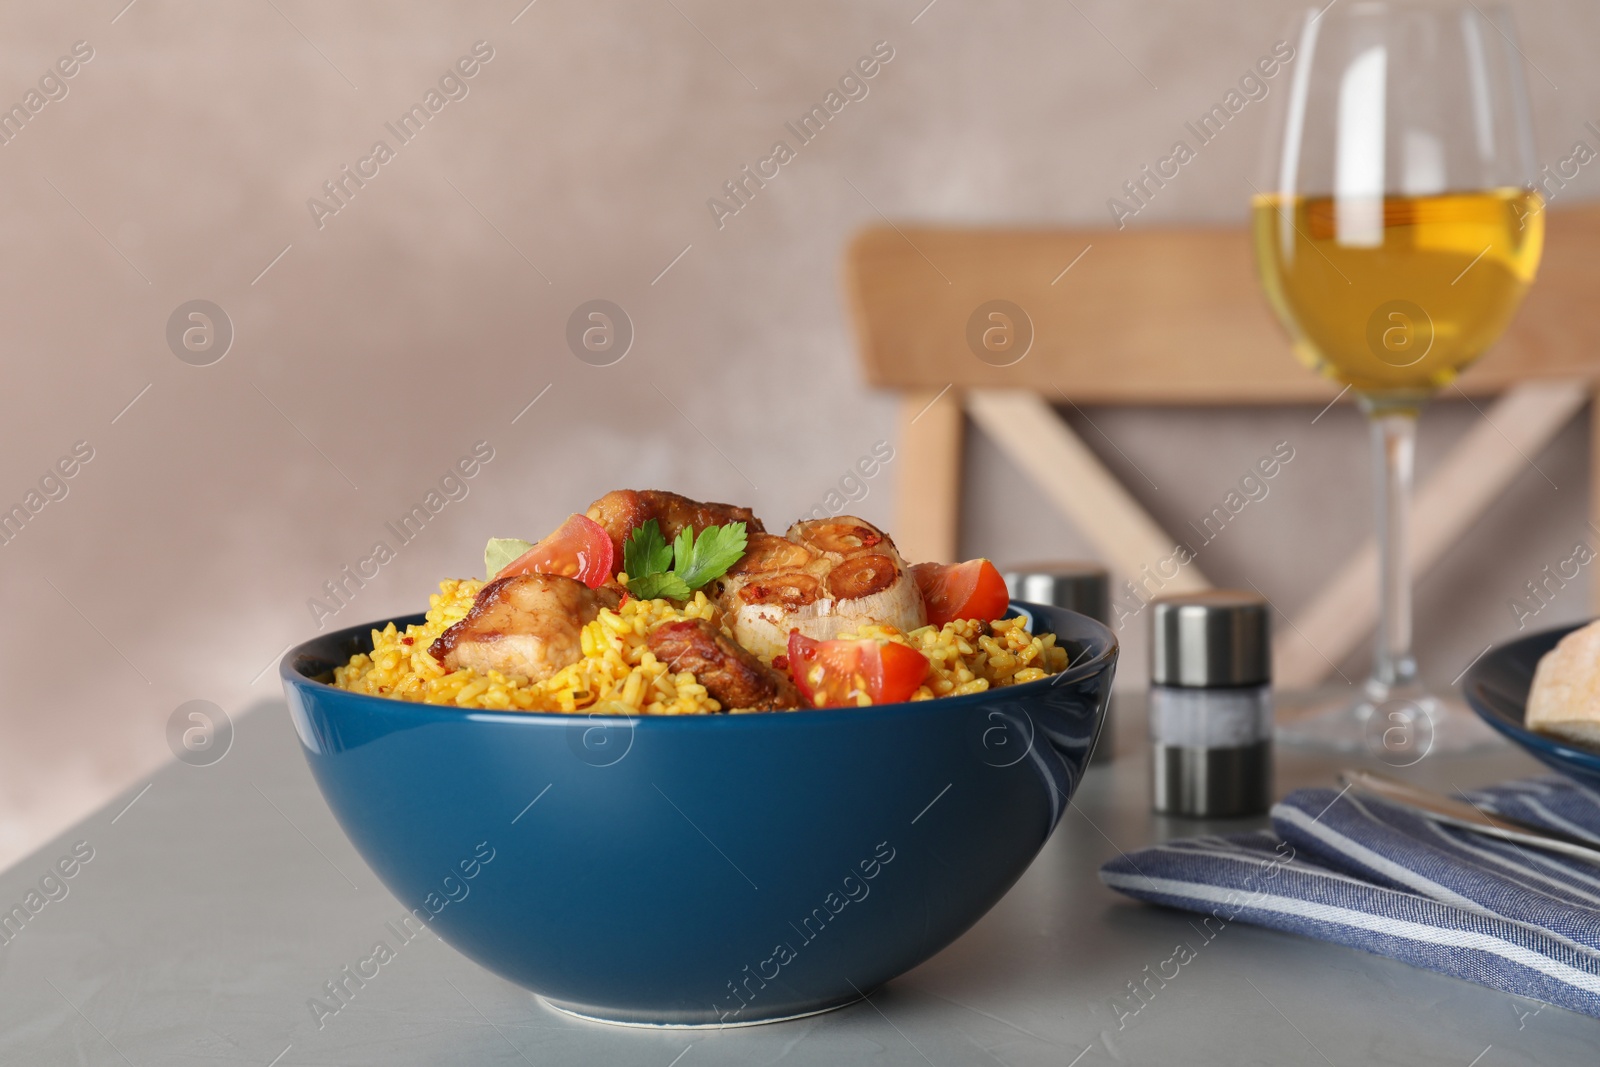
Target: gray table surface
point(221, 899)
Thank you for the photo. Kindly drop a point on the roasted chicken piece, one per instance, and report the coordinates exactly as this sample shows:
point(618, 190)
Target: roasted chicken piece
point(621, 510)
point(734, 677)
point(527, 624)
point(827, 577)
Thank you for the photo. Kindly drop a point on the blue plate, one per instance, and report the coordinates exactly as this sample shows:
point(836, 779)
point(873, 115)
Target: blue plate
point(703, 870)
point(1497, 688)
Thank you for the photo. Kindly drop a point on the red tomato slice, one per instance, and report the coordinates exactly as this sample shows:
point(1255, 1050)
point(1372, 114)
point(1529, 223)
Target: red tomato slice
point(832, 674)
point(579, 549)
point(970, 590)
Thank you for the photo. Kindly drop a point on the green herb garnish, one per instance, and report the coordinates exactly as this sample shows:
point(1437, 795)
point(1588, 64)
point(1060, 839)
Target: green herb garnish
point(707, 557)
point(693, 560)
point(647, 558)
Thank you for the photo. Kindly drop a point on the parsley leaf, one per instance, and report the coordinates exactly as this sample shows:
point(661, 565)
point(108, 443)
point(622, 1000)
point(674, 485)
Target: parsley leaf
point(693, 560)
point(645, 553)
point(651, 586)
point(715, 550)
point(682, 551)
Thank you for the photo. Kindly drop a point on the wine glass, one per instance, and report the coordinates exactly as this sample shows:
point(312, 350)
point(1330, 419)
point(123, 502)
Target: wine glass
point(1396, 235)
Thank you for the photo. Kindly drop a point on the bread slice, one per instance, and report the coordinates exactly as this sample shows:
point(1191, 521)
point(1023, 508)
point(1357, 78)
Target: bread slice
point(1565, 699)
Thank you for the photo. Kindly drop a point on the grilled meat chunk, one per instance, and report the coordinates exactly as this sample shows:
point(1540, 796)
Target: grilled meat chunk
point(621, 510)
point(734, 677)
point(527, 624)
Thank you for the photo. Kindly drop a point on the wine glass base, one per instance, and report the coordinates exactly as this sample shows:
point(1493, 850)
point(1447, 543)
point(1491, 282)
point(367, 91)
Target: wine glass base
point(1400, 730)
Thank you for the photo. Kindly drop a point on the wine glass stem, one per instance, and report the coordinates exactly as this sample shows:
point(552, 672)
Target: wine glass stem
point(1394, 435)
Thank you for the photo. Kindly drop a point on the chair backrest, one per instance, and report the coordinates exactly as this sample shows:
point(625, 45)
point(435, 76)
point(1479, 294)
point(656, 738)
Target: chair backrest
point(1157, 316)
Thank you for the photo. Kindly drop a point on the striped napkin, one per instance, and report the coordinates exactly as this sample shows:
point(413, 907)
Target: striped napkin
point(1363, 873)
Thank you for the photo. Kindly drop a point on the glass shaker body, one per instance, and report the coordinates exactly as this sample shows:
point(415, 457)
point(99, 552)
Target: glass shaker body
point(1211, 750)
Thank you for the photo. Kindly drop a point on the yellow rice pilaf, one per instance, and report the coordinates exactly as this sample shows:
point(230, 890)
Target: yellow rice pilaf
point(618, 673)
point(963, 659)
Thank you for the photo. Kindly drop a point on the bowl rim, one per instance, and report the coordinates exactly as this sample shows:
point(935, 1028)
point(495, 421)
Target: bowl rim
point(1517, 729)
point(290, 675)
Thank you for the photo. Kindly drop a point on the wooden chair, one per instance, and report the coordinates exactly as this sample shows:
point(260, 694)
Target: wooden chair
point(1176, 317)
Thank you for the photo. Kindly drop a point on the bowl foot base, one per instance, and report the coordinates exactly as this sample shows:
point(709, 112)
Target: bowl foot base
point(688, 1020)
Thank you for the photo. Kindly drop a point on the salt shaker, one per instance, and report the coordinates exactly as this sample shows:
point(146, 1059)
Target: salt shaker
point(1211, 704)
point(1080, 587)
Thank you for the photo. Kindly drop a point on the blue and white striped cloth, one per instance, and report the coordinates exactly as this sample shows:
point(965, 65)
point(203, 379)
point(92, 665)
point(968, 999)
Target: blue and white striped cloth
point(1373, 876)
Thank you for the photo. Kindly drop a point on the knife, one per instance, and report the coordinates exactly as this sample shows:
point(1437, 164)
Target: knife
point(1461, 814)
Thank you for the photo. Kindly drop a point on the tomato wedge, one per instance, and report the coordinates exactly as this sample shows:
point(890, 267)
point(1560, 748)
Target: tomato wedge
point(832, 674)
point(579, 549)
point(970, 590)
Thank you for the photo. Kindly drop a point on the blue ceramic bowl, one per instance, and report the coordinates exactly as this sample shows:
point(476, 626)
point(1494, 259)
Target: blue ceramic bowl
point(703, 871)
point(1497, 688)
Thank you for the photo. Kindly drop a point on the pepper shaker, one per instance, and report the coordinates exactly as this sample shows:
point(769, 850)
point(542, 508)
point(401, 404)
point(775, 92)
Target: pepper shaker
point(1080, 587)
point(1211, 704)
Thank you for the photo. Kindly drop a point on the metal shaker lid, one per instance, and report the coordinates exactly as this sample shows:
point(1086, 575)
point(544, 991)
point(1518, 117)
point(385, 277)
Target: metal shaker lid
point(1221, 637)
point(1076, 586)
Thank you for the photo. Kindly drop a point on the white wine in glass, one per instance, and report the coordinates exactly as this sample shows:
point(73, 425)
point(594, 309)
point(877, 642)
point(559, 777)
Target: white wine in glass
point(1396, 237)
point(1401, 316)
